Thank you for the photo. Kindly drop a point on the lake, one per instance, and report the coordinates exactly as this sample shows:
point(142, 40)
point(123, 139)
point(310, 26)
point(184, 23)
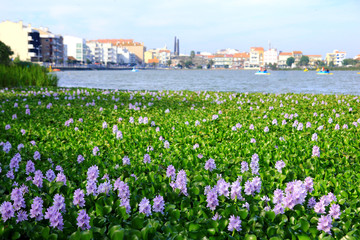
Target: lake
point(341, 82)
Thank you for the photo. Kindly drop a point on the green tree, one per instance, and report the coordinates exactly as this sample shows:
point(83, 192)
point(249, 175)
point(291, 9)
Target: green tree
point(5, 53)
point(188, 64)
point(349, 61)
point(290, 61)
point(304, 60)
point(168, 62)
point(331, 64)
point(210, 63)
point(192, 54)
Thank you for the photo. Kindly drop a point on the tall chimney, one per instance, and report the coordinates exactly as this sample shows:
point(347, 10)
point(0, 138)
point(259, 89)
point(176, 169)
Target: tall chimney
point(178, 48)
point(175, 46)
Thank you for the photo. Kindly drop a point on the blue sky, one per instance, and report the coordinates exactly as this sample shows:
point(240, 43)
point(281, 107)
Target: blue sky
point(311, 26)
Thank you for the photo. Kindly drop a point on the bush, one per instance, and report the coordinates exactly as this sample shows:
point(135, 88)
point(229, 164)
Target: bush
point(26, 74)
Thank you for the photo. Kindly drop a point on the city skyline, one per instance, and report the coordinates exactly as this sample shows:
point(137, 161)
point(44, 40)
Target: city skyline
point(313, 27)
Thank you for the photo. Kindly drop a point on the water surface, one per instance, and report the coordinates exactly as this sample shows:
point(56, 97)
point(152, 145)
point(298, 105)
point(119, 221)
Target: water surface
point(341, 82)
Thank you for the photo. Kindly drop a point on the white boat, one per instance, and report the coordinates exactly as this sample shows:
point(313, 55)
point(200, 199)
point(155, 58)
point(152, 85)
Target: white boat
point(324, 73)
point(135, 70)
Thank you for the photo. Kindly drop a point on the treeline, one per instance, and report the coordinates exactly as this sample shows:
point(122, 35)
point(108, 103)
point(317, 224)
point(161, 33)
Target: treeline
point(21, 74)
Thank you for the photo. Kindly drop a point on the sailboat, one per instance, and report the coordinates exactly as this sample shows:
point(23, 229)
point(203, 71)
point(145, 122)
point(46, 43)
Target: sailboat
point(134, 69)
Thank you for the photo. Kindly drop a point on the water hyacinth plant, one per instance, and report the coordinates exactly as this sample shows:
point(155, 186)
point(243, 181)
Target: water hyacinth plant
point(107, 164)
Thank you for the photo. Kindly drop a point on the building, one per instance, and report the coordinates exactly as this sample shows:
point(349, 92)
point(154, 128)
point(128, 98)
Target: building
point(283, 56)
point(241, 60)
point(76, 47)
point(223, 60)
point(357, 57)
point(271, 56)
point(297, 55)
point(314, 60)
point(336, 58)
point(52, 46)
point(256, 57)
point(23, 40)
point(163, 55)
point(136, 48)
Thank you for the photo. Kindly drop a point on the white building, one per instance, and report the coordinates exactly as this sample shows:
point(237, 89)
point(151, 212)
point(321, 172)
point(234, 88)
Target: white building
point(339, 57)
point(108, 53)
point(271, 56)
point(125, 57)
point(23, 40)
point(256, 57)
point(76, 47)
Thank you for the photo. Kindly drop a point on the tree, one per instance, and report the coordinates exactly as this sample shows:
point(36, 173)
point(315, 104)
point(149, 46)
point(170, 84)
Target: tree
point(5, 53)
point(192, 54)
point(188, 64)
point(331, 64)
point(290, 61)
point(304, 60)
point(168, 62)
point(349, 61)
point(209, 65)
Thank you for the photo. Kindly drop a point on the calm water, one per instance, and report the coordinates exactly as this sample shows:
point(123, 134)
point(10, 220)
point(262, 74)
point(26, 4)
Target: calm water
point(343, 82)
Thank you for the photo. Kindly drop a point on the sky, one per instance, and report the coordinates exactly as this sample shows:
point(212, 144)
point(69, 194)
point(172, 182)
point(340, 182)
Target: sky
point(310, 26)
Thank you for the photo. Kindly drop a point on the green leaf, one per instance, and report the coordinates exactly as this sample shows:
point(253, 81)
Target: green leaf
point(303, 237)
point(250, 237)
point(305, 225)
point(117, 234)
point(99, 210)
point(86, 235)
point(270, 215)
point(243, 213)
point(211, 231)
point(193, 227)
point(16, 235)
point(45, 232)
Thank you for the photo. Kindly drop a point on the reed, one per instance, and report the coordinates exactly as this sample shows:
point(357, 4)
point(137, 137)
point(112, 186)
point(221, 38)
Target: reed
point(22, 76)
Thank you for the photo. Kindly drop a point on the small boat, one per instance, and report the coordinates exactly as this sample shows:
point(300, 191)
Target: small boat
point(358, 73)
point(305, 70)
point(262, 73)
point(324, 73)
point(135, 70)
point(317, 69)
point(56, 70)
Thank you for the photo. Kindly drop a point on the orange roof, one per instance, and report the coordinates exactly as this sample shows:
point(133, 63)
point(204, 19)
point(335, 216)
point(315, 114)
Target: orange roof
point(297, 52)
point(168, 51)
point(285, 53)
point(219, 55)
point(229, 55)
point(154, 60)
point(210, 56)
point(118, 42)
point(241, 55)
point(257, 49)
point(313, 55)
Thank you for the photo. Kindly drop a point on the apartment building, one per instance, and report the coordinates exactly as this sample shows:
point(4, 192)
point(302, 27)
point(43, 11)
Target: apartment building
point(76, 47)
point(314, 59)
point(136, 48)
point(241, 60)
point(297, 55)
point(223, 60)
point(52, 46)
point(107, 53)
point(163, 55)
point(256, 57)
point(271, 56)
point(23, 40)
point(336, 57)
point(283, 56)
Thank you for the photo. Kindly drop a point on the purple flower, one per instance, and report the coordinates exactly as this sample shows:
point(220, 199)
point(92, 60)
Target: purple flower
point(125, 202)
point(61, 178)
point(124, 191)
point(7, 127)
point(244, 167)
point(93, 173)
point(17, 197)
point(10, 174)
point(319, 207)
point(212, 199)
point(210, 165)
point(234, 223)
point(7, 147)
point(105, 187)
point(325, 224)
point(166, 144)
point(145, 207)
point(80, 159)
point(79, 199)
point(33, 143)
point(21, 216)
point(147, 158)
point(308, 182)
point(36, 209)
point(59, 202)
point(216, 217)
point(254, 165)
point(7, 211)
point(278, 196)
point(95, 151)
point(55, 217)
point(38, 178)
point(236, 190)
point(170, 172)
point(280, 165)
point(180, 182)
point(279, 209)
point(91, 188)
point(37, 155)
point(223, 187)
point(14, 163)
point(246, 205)
point(83, 220)
point(335, 211)
point(316, 151)
point(30, 167)
point(159, 203)
point(20, 146)
point(126, 160)
point(50, 175)
point(104, 125)
point(311, 202)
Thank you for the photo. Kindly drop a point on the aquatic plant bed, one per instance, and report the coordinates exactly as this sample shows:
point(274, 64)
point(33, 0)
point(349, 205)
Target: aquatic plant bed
point(108, 164)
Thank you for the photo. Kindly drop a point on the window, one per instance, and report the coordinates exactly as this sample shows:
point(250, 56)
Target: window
point(78, 45)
